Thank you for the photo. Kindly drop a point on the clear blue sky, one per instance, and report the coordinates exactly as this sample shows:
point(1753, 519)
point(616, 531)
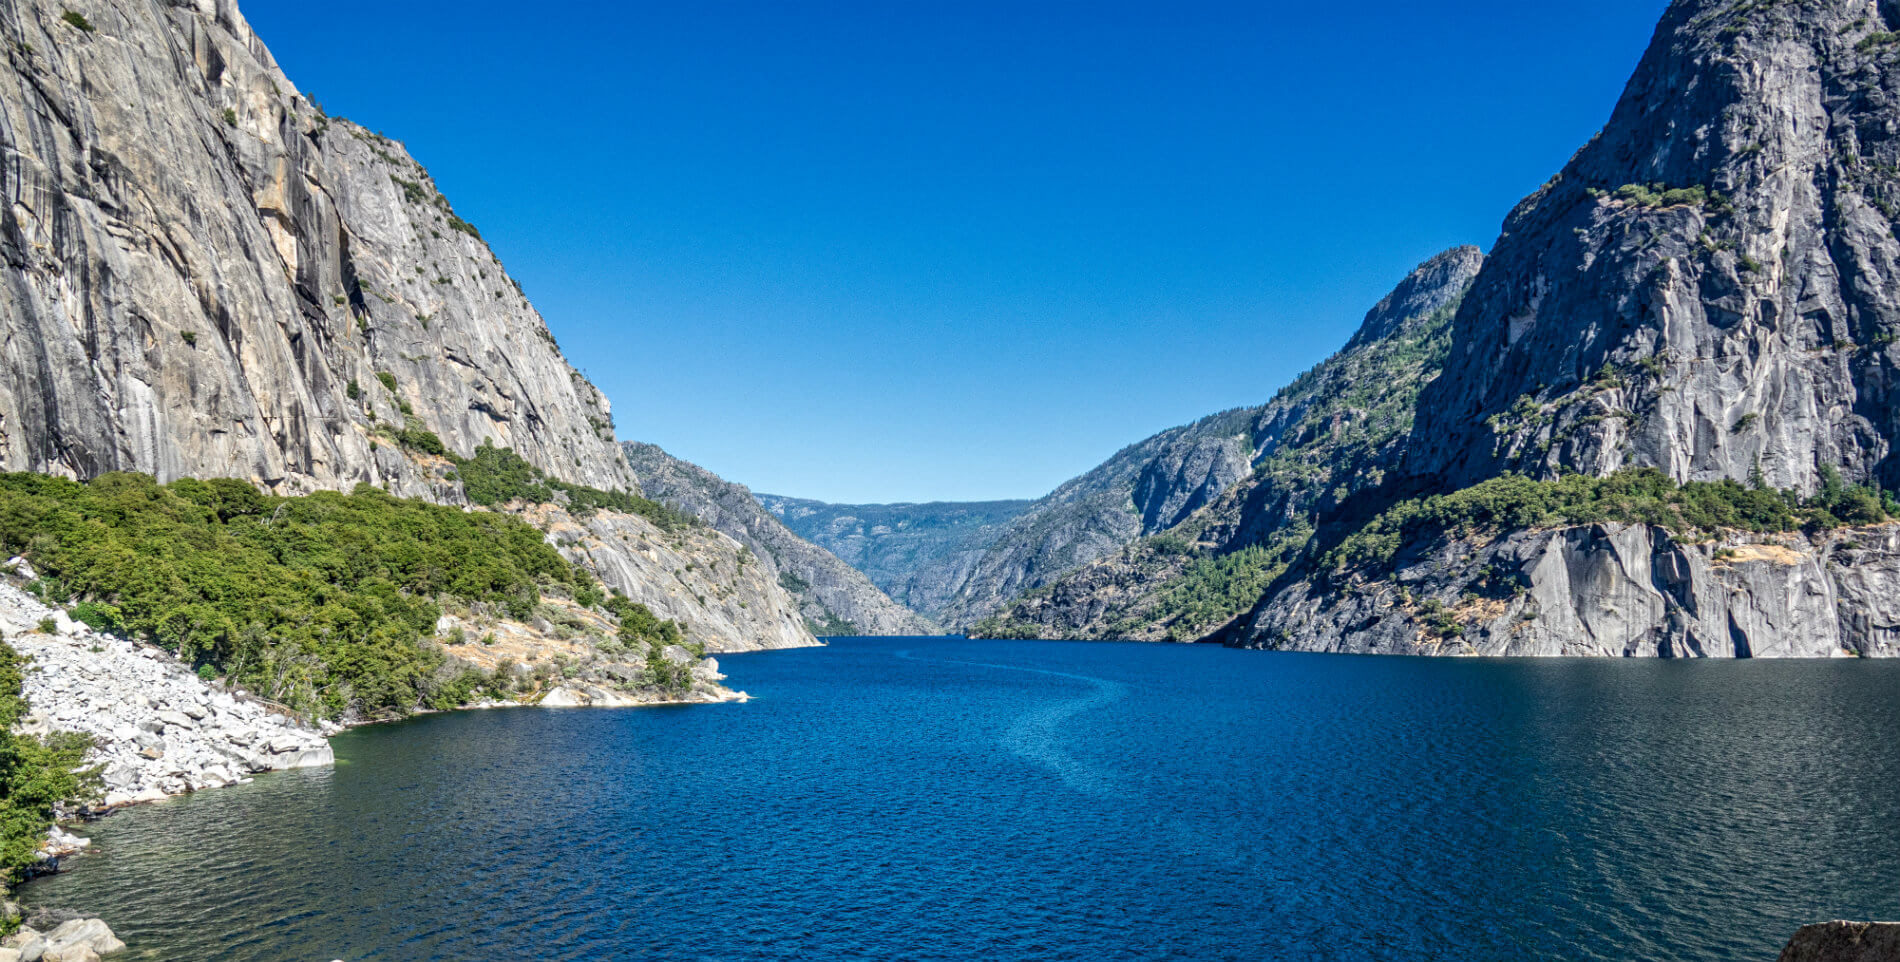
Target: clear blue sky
point(921, 250)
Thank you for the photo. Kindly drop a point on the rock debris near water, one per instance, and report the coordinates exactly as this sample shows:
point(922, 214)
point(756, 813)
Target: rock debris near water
point(1845, 942)
point(158, 729)
point(78, 940)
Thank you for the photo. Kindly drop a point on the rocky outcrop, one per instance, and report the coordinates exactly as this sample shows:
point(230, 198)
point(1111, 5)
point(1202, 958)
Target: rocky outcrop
point(697, 576)
point(1609, 590)
point(833, 597)
point(1844, 942)
point(157, 728)
point(1708, 289)
point(918, 554)
point(1711, 287)
point(1336, 431)
point(75, 940)
point(206, 275)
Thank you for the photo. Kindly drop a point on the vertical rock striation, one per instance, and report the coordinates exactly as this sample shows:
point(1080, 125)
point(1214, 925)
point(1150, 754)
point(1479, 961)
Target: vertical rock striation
point(1711, 286)
point(207, 276)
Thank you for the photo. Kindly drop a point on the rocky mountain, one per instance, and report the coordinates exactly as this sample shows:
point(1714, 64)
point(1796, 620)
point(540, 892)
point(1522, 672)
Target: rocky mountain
point(1335, 431)
point(1656, 424)
point(919, 554)
point(1708, 287)
point(833, 597)
point(208, 276)
point(1706, 290)
point(1145, 488)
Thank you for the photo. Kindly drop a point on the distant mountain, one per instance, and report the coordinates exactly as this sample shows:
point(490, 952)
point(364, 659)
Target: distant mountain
point(919, 554)
point(1236, 492)
point(1657, 421)
point(833, 597)
point(1145, 488)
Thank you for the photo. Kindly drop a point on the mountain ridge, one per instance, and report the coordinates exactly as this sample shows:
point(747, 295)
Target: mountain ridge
point(207, 276)
point(834, 598)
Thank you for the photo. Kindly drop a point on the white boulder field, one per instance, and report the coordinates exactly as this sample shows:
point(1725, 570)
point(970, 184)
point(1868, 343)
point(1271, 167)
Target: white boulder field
point(158, 729)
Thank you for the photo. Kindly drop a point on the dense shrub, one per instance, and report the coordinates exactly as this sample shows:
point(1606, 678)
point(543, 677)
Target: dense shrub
point(320, 601)
point(1644, 495)
point(35, 774)
point(496, 476)
point(641, 629)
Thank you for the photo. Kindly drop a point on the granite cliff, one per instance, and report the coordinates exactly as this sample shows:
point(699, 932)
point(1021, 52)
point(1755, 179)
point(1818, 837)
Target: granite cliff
point(1707, 291)
point(1702, 301)
point(1336, 431)
point(206, 275)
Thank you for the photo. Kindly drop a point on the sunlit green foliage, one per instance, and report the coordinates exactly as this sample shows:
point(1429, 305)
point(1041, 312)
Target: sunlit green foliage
point(35, 774)
point(320, 601)
point(496, 476)
point(1645, 496)
point(641, 629)
point(1214, 589)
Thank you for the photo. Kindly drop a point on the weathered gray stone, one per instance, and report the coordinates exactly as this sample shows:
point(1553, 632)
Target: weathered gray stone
point(1753, 331)
point(1613, 590)
point(91, 934)
point(1845, 942)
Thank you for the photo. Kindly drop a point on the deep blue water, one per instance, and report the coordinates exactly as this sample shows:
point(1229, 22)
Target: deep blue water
point(996, 801)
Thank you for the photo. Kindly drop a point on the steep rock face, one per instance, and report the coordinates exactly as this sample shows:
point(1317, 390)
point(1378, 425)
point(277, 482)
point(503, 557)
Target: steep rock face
point(1337, 430)
point(1709, 287)
point(1610, 590)
point(831, 594)
point(206, 276)
point(919, 554)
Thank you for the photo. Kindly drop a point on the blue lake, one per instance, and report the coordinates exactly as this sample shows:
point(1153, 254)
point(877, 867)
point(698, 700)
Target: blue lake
point(948, 799)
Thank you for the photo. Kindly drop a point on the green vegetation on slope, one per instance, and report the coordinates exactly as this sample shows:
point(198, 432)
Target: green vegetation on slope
point(1643, 496)
point(1329, 434)
point(321, 601)
point(1214, 589)
point(35, 774)
point(496, 476)
point(641, 629)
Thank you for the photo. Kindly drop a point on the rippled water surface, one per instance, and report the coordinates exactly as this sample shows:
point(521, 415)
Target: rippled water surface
point(945, 799)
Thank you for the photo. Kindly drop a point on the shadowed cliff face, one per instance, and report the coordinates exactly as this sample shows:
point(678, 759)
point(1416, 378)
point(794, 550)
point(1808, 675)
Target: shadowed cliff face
point(1705, 332)
point(207, 276)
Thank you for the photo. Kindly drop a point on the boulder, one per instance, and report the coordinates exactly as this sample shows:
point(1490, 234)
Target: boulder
point(1845, 942)
point(178, 718)
point(564, 697)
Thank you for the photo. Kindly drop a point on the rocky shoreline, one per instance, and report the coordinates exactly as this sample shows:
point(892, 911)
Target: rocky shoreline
point(158, 729)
